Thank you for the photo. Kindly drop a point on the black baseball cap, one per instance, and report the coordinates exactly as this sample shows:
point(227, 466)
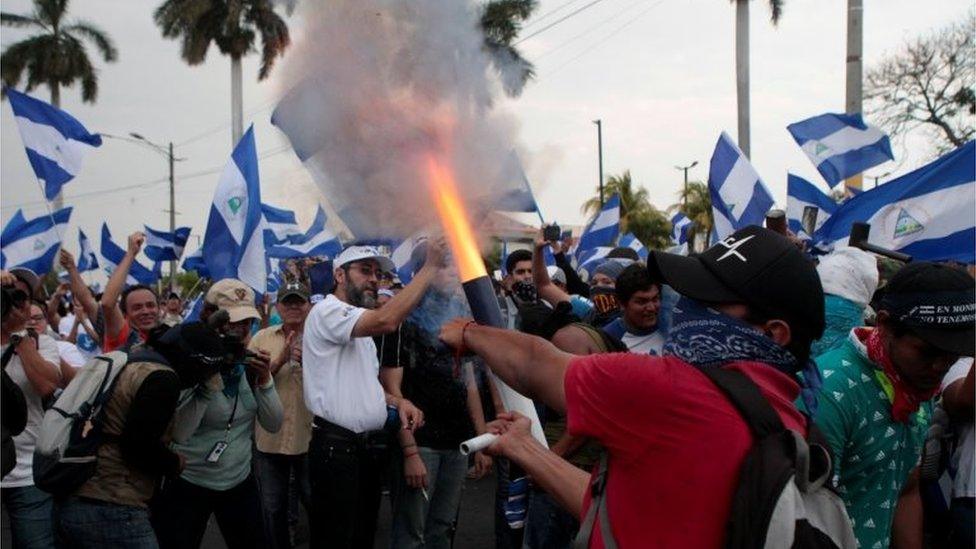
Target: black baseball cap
point(935, 302)
point(293, 288)
point(754, 266)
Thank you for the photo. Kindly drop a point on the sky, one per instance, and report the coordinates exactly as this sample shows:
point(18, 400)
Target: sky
point(658, 73)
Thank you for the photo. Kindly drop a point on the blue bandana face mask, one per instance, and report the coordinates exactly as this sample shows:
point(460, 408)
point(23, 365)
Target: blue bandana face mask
point(706, 338)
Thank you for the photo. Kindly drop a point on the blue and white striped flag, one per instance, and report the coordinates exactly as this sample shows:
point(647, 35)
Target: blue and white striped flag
point(517, 195)
point(929, 213)
point(233, 244)
point(680, 225)
point(739, 196)
point(315, 242)
point(402, 257)
point(164, 245)
point(193, 309)
point(800, 193)
point(87, 259)
point(56, 143)
point(280, 225)
point(15, 222)
point(593, 258)
point(34, 244)
point(603, 229)
point(630, 241)
point(112, 253)
point(841, 145)
point(195, 262)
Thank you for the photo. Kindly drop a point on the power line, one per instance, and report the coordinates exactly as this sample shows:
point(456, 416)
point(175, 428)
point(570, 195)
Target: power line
point(605, 38)
point(544, 16)
point(261, 107)
point(617, 14)
point(558, 21)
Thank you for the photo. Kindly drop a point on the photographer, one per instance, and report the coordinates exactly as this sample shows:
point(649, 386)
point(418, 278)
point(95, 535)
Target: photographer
point(134, 453)
point(214, 429)
point(33, 367)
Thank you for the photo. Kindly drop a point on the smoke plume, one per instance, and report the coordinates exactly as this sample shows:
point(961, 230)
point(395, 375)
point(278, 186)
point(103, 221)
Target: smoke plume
point(377, 86)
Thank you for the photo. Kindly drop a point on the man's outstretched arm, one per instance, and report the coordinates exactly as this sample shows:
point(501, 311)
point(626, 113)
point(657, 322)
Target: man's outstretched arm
point(530, 365)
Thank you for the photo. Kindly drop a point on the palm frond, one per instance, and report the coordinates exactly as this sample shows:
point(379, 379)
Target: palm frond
point(20, 21)
point(51, 12)
point(97, 37)
point(775, 10)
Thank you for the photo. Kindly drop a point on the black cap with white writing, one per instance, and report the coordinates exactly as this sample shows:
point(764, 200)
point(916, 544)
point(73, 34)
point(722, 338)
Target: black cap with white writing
point(754, 266)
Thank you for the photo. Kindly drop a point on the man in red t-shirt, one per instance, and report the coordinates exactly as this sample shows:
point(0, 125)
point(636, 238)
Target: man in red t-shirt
point(751, 303)
point(130, 313)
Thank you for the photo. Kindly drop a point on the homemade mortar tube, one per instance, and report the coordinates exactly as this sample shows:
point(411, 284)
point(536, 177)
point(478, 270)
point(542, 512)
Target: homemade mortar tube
point(485, 309)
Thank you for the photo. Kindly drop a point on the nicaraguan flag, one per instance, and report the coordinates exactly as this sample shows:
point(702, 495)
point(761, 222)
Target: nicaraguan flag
point(800, 193)
point(112, 253)
point(280, 225)
point(739, 196)
point(164, 245)
point(15, 222)
point(516, 195)
point(603, 229)
point(34, 243)
point(233, 245)
point(316, 241)
point(841, 145)
point(680, 225)
point(403, 259)
point(55, 142)
point(195, 262)
point(87, 259)
point(929, 213)
point(593, 258)
point(630, 241)
point(193, 310)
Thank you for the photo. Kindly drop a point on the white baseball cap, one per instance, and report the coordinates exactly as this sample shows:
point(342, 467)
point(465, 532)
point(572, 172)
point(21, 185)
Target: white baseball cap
point(360, 253)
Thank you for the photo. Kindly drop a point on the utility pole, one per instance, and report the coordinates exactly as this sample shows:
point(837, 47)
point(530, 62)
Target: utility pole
point(855, 68)
point(742, 73)
point(599, 147)
point(172, 214)
point(685, 169)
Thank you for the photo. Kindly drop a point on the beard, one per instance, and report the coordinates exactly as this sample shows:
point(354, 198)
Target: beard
point(361, 297)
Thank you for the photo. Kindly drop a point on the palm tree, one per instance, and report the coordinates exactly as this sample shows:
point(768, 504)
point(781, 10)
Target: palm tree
point(742, 63)
point(695, 203)
point(56, 55)
point(501, 22)
point(233, 25)
point(637, 214)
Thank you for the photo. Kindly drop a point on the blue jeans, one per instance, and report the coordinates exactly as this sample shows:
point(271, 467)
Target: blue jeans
point(273, 472)
point(31, 514)
point(418, 522)
point(86, 523)
point(548, 525)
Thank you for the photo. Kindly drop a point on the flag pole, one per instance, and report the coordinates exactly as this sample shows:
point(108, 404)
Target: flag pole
point(50, 213)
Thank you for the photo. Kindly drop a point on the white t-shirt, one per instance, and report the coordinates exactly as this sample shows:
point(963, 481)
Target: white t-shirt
point(964, 483)
point(340, 373)
point(69, 353)
point(649, 344)
point(67, 321)
point(23, 473)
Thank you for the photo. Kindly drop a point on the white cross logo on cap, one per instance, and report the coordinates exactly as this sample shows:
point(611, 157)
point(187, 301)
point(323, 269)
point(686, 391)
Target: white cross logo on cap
point(732, 246)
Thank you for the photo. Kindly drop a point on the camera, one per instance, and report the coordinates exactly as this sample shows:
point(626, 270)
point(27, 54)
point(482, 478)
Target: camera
point(551, 233)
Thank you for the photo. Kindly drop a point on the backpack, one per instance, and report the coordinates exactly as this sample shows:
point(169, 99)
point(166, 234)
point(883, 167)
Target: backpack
point(784, 497)
point(71, 432)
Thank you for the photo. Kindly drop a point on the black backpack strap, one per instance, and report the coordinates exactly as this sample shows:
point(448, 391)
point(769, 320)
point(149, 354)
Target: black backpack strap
point(748, 400)
point(598, 507)
point(8, 353)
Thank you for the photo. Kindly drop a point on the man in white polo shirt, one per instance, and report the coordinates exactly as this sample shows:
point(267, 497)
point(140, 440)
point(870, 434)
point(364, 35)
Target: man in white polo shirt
point(347, 455)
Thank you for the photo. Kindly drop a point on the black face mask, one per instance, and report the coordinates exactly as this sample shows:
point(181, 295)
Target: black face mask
point(524, 293)
point(605, 305)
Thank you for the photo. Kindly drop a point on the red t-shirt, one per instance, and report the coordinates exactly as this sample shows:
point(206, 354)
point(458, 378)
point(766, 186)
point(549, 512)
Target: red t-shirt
point(121, 339)
point(676, 443)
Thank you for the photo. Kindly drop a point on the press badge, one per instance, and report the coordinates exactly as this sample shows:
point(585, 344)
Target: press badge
point(218, 450)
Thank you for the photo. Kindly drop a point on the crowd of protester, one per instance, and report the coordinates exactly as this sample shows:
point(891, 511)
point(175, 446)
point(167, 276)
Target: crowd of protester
point(324, 400)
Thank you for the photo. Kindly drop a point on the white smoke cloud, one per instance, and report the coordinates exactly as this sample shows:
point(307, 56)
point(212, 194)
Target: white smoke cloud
point(383, 84)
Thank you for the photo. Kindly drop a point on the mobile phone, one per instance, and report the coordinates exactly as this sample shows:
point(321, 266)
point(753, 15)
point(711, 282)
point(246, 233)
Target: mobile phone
point(551, 233)
point(776, 221)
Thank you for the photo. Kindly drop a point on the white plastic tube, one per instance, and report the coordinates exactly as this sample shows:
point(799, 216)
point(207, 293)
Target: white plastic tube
point(477, 443)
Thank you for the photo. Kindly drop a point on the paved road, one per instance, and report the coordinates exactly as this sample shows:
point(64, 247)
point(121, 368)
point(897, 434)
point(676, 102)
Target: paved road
point(475, 526)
